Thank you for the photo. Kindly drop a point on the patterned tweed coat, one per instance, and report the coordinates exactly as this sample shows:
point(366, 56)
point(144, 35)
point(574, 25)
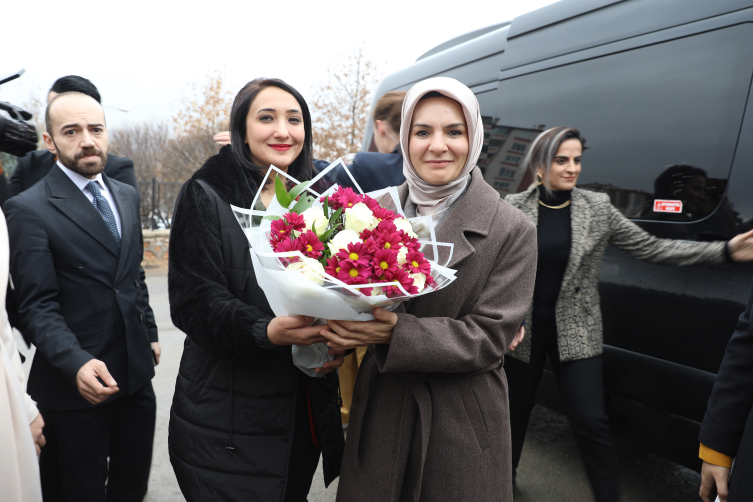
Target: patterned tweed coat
point(595, 222)
point(430, 419)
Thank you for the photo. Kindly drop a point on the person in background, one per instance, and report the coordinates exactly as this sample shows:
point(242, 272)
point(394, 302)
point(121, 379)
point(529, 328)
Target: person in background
point(34, 166)
point(384, 168)
point(727, 428)
point(76, 251)
point(429, 418)
point(246, 423)
point(19, 470)
point(574, 227)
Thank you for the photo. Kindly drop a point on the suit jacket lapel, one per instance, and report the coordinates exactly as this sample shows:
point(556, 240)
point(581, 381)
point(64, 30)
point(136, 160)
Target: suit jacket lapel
point(580, 223)
point(126, 221)
point(66, 196)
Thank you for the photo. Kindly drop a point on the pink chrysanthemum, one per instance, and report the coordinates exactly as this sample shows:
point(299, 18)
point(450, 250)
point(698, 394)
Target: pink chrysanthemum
point(333, 266)
point(385, 240)
point(353, 273)
point(310, 244)
point(344, 198)
point(383, 214)
point(356, 252)
point(386, 226)
point(415, 262)
point(280, 229)
point(385, 262)
point(287, 245)
point(405, 281)
point(295, 220)
point(371, 203)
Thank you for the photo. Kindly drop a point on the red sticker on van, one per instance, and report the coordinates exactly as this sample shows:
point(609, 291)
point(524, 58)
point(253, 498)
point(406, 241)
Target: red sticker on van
point(667, 206)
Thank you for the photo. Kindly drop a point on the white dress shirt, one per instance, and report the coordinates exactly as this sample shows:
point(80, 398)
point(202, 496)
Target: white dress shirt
point(81, 183)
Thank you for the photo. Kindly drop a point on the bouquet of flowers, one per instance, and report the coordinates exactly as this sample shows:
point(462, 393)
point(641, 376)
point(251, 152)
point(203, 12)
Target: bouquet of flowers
point(339, 254)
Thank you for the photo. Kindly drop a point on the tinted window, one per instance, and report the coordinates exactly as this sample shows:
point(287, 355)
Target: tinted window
point(661, 121)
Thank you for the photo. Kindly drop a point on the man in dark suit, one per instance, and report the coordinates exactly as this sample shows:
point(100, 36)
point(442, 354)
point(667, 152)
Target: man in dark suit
point(76, 248)
point(34, 166)
point(727, 429)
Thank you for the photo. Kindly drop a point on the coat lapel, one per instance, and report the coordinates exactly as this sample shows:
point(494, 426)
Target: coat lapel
point(580, 223)
point(66, 196)
point(126, 221)
point(473, 213)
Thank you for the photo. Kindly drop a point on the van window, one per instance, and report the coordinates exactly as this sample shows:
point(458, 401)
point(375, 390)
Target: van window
point(661, 123)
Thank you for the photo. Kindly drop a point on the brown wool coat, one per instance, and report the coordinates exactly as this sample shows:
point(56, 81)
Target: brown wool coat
point(430, 419)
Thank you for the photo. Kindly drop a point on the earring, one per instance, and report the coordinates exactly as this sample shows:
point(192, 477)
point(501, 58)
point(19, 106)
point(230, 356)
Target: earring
point(539, 179)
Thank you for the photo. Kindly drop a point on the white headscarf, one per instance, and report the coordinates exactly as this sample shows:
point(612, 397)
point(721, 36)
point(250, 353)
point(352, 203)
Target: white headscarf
point(424, 195)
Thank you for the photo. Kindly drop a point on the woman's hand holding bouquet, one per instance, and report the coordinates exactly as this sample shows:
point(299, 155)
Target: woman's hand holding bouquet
point(338, 255)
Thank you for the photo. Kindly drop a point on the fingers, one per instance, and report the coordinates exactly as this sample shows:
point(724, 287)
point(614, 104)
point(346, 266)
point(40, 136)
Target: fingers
point(341, 342)
point(344, 329)
point(100, 370)
point(92, 389)
point(295, 321)
point(385, 316)
point(39, 450)
point(42, 440)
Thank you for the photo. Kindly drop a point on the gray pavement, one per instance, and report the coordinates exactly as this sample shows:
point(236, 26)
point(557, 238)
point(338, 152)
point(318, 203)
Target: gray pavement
point(550, 468)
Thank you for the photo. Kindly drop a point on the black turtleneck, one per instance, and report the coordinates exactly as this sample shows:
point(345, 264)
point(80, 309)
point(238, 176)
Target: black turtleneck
point(554, 235)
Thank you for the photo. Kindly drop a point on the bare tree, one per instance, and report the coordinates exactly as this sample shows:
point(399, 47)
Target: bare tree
point(146, 144)
point(205, 113)
point(340, 105)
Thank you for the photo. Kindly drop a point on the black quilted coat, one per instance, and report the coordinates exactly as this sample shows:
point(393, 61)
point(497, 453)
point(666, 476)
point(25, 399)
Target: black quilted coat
point(231, 423)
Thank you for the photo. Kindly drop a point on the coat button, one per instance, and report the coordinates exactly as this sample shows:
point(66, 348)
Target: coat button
point(116, 290)
point(136, 283)
point(285, 439)
point(80, 264)
point(141, 317)
point(577, 289)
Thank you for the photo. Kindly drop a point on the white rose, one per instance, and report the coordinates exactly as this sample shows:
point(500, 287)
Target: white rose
point(405, 226)
point(419, 280)
point(341, 241)
point(312, 214)
point(310, 268)
point(359, 218)
point(376, 291)
point(401, 255)
point(314, 218)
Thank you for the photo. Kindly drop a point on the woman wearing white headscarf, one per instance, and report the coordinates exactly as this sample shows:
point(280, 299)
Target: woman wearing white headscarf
point(429, 419)
point(19, 470)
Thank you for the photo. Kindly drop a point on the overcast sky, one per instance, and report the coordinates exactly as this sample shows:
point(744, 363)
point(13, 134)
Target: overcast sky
point(142, 55)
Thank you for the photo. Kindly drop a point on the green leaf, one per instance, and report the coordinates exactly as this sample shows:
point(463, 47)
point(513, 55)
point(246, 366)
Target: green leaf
point(272, 217)
point(335, 216)
point(282, 195)
point(326, 235)
point(325, 207)
point(303, 203)
point(298, 189)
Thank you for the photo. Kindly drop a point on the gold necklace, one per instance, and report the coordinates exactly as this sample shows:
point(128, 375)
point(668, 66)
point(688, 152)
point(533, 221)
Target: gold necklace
point(555, 207)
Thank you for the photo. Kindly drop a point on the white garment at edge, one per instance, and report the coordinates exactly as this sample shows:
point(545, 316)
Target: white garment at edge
point(19, 468)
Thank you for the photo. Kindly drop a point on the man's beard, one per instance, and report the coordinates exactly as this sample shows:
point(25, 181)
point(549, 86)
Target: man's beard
point(85, 169)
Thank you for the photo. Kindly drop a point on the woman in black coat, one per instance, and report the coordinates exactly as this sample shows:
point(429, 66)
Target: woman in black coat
point(245, 424)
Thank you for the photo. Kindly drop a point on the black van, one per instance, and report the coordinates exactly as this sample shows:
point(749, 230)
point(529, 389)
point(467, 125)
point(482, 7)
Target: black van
point(662, 92)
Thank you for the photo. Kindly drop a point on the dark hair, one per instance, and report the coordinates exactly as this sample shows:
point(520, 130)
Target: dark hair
point(302, 167)
point(389, 109)
point(47, 121)
point(544, 148)
point(74, 83)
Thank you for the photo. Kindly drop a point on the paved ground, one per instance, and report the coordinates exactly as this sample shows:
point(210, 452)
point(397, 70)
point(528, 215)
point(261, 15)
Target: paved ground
point(550, 468)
